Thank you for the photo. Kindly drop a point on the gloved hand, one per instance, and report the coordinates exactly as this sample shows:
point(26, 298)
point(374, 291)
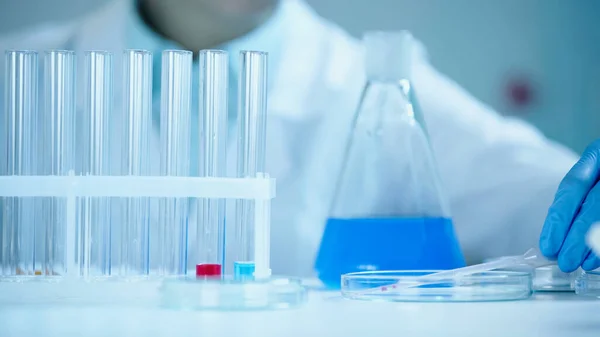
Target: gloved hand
point(575, 208)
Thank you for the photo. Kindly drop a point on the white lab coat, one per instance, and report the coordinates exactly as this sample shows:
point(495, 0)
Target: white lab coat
point(499, 174)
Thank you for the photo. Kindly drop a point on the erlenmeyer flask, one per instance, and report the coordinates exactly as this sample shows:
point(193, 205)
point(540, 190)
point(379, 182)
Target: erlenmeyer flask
point(389, 212)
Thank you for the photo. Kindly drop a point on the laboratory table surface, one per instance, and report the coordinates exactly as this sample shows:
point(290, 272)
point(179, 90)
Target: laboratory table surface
point(324, 314)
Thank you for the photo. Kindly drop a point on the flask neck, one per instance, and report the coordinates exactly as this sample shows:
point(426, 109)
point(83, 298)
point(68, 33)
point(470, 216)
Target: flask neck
point(402, 85)
point(388, 96)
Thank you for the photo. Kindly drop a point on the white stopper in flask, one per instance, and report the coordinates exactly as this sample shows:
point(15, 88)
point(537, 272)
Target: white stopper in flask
point(593, 238)
point(388, 55)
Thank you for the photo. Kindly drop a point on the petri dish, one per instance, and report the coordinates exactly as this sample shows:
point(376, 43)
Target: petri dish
point(548, 278)
point(401, 286)
point(551, 278)
point(588, 284)
point(191, 293)
point(159, 292)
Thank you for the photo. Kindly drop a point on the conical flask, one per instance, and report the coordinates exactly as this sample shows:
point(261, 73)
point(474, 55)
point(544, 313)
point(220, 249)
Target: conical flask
point(389, 211)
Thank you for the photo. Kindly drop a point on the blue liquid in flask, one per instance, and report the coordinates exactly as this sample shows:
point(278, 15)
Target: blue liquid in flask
point(365, 244)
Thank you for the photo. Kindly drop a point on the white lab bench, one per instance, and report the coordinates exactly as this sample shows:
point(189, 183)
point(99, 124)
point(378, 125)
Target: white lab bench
point(325, 314)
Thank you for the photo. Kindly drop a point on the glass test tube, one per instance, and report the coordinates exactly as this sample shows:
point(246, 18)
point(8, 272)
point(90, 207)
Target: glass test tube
point(175, 133)
point(133, 250)
point(57, 152)
point(19, 139)
point(213, 87)
point(252, 121)
point(93, 141)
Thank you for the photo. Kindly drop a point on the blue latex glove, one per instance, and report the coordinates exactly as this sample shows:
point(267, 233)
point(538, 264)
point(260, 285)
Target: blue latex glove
point(575, 208)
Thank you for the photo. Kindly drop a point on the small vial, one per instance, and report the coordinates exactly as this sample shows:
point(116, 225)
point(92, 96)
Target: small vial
point(243, 271)
point(208, 270)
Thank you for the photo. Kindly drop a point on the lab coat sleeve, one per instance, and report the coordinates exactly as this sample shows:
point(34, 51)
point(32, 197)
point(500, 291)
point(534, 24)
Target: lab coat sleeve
point(500, 174)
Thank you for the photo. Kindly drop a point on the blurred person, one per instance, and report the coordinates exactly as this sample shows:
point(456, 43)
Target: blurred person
point(500, 174)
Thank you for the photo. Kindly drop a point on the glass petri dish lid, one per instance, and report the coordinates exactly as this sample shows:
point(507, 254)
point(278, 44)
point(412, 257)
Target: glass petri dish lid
point(415, 286)
point(588, 284)
point(190, 293)
point(548, 278)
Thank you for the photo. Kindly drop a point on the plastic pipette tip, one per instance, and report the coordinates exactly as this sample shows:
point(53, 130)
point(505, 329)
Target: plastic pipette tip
point(208, 270)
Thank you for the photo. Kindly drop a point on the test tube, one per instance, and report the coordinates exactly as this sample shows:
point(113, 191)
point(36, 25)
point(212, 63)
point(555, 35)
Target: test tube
point(135, 161)
point(57, 130)
point(175, 118)
point(19, 158)
point(213, 85)
point(93, 126)
point(252, 121)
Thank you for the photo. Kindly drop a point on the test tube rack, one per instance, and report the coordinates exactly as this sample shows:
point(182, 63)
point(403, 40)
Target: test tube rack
point(260, 190)
point(69, 187)
point(173, 292)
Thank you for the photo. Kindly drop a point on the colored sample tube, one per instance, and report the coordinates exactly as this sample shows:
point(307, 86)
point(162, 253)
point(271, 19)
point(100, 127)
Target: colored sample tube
point(19, 144)
point(57, 153)
point(252, 121)
point(213, 85)
point(93, 147)
point(175, 118)
point(208, 270)
point(133, 254)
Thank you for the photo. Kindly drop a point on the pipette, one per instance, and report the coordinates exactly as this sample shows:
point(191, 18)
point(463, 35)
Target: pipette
point(532, 258)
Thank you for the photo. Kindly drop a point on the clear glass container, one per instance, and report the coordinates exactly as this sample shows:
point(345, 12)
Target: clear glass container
point(389, 211)
point(175, 141)
point(229, 294)
point(208, 254)
point(57, 158)
point(19, 139)
point(548, 278)
point(413, 286)
point(551, 278)
point(130, 241)
point(588, 283)
point(252, 125)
